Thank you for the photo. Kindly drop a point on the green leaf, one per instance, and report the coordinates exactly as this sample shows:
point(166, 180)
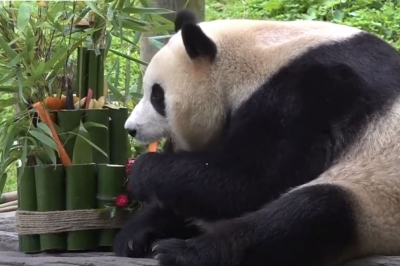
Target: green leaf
point(113, 212)
point(129, 24)
point(94, 8)
point(8, 102)
point(147, 10)
point(82, 151)
point(129, 57)
point(16, 60)
point(82, 14)
point(56, 58)
point(9, 77)
point(8, 89)
point(79, 149)
point(20, 85)
point(44, 139)
point(44, 128)
point(158, 45)
point(108, 39)
point(3, 180)
point(7, 49)
point(115, 92)
point(50, 152)
point(93, 124)
point(23, 158)
point(24, 14)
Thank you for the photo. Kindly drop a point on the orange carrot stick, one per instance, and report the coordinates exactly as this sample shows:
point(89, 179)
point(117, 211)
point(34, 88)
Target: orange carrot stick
point(44, 116)
point(152, 147)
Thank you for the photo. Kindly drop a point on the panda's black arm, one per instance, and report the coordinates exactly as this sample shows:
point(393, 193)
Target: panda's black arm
point(211, 185)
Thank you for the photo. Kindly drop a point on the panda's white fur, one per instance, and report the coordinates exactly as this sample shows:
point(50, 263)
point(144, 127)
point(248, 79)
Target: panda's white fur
point(371, 172)
point(203, 93)
point(199, 84)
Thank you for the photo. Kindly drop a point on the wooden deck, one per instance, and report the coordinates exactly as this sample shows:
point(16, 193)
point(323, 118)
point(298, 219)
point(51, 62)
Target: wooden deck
point(10, 256)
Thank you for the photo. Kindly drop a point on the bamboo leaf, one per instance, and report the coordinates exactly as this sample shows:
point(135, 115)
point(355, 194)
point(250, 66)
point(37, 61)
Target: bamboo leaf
point(128, 24)
point(129, 57)
point(24, 14)
point(158, 45)
point(50, 152)
point(3, 180)
point(82, 14)
point(44, 128)
point(9, 77)
point(8, 102)
point(88, 141)
point(82, 152)
point(93, 124)
point(23, 158)
point(20, 85)
point(147, 10)
point(108, 38)
point(54, 59)
point(43, 139)
point(94, 8)
point(7, 49)
point(16, 60)
point(8, 89)
point(114, 91)
point(162, 28)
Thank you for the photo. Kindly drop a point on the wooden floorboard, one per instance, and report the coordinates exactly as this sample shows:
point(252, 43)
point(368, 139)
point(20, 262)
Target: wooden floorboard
point(9, 255)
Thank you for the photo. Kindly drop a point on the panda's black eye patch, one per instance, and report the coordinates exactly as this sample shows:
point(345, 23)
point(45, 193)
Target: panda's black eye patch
point(157, 99)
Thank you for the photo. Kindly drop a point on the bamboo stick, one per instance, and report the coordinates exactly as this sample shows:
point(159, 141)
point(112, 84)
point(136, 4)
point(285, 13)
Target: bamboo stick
point(9, 196)
point(10, 203)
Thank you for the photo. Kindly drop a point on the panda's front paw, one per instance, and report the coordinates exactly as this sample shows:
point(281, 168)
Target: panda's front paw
point(192, 252)
point(133, 244)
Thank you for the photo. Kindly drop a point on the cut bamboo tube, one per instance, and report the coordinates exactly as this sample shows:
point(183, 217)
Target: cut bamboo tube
point(27, 202)
point(81, 71)
point(50, 189)
point(9, 196)
point(93, 71)
point(81, 194)
point(99, 135)
point(119, 142)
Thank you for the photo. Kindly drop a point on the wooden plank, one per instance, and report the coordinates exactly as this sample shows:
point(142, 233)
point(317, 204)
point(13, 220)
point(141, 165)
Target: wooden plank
point(10, 256)
point(70, 259)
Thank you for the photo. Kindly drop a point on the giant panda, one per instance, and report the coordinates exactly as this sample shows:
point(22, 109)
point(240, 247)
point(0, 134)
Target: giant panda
point(285, 141)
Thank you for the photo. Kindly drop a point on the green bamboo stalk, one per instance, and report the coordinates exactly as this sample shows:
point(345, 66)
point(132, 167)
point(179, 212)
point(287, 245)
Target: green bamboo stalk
point(81, 194)
point(50, 190)
point(93, 71)
point(68, 120)
point(110, 184)
point(118, 136)
point(81, 71)
point(100, 81)
point(27, 202)
point(98, 135)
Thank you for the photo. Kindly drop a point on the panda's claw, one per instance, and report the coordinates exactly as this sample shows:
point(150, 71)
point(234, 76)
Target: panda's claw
point(154, 248)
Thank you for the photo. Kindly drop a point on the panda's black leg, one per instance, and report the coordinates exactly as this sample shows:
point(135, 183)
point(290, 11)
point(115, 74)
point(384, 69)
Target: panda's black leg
point(307, 227)
point(148, 225)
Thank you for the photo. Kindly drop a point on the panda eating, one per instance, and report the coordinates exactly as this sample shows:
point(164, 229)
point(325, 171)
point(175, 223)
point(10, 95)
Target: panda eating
point(285, 143)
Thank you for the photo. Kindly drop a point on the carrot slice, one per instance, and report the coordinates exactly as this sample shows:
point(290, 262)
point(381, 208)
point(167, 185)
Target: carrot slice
point(152, 147)
point(44, 116)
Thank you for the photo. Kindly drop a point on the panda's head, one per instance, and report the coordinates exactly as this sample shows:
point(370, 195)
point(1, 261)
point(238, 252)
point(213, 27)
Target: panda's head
point(206, 71)
point(179, 92)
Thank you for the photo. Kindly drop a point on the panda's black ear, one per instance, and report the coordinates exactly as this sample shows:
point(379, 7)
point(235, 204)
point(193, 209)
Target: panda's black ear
point(185, 16)
point(197, 43)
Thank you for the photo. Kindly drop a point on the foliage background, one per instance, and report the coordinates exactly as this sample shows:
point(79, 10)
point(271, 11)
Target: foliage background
point(381, 17)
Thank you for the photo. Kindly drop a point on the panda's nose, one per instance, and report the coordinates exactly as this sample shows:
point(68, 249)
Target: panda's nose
point(132, 132)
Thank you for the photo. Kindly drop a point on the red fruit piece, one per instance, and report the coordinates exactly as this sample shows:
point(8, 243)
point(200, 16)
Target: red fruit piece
point(122, 200)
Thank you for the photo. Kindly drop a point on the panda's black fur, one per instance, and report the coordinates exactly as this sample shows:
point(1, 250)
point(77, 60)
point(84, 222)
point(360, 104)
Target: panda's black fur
point(290, 131)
